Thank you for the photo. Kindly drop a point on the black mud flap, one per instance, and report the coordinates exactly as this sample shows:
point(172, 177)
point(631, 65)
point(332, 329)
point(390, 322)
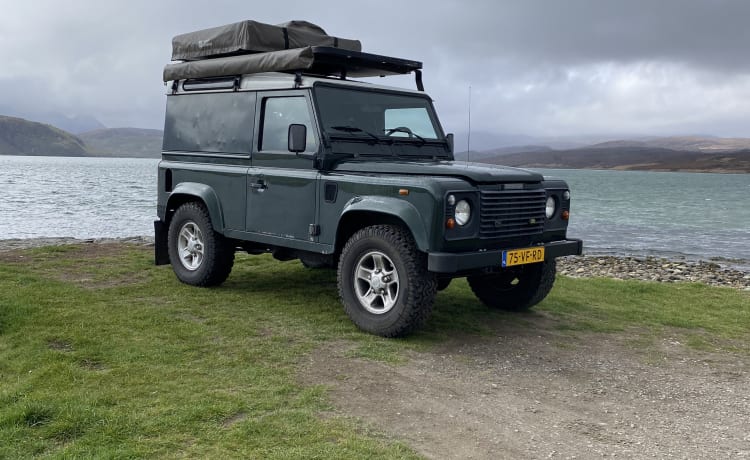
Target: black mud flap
point(161, 249)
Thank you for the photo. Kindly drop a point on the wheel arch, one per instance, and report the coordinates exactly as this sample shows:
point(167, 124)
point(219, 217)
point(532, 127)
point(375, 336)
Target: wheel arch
point(192, 191)
point(364, 212)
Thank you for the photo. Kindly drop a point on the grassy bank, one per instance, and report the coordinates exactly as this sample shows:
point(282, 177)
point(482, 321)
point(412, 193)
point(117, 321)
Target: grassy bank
point(103, 354)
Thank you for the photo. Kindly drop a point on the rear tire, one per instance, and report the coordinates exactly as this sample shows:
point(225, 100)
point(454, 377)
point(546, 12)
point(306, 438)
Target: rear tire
point(199, 255)
point(384, 283)
point(515, 289)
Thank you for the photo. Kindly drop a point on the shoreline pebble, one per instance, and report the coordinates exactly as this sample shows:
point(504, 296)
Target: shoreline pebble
point(27, 243)
point(587, 266)
point(653, 269)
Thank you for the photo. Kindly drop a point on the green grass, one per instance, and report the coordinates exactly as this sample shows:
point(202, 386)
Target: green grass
point(103, 354)
point(608, 305)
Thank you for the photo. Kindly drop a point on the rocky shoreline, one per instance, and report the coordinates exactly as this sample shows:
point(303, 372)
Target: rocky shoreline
point(26, 243)
point(587, 266)
point(653, 269)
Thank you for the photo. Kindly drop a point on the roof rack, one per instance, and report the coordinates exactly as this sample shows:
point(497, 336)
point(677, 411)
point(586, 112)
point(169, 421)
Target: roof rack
point(311, 60)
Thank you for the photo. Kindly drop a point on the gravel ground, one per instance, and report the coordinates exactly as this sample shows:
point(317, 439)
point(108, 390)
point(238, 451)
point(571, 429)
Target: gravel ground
point(532, 392)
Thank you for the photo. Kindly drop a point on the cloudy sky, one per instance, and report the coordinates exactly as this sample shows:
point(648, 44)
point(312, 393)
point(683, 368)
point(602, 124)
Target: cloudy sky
point(538, 68)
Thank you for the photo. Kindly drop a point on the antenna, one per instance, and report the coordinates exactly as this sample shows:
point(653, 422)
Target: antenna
point(468, 137)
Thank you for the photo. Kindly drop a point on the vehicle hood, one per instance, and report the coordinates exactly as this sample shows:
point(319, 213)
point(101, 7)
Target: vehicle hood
point(473, 172)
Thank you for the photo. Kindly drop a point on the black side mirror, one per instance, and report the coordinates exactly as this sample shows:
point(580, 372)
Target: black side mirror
point(449, 139)
point(297, 138)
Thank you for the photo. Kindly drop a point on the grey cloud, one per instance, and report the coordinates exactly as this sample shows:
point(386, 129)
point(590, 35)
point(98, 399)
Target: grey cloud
point(549, 67)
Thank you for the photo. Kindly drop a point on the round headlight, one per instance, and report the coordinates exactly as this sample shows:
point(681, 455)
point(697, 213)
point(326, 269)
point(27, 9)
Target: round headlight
point(463, 212)
point(549, 209)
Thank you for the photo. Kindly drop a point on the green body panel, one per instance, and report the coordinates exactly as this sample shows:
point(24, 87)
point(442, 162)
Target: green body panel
point(401, 209)
point(420, 210)
point(223, 189)
point(474, 172)
point(282, 202)
point(205, 194)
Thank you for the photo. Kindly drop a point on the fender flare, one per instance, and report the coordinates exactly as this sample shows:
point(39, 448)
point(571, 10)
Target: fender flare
point(186, 190)
point(398, 208)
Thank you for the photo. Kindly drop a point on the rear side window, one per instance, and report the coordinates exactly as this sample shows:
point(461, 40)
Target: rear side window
point(214, 122)
point(278, 114)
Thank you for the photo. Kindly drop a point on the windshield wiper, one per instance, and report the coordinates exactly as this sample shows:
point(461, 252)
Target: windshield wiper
point(354, 129)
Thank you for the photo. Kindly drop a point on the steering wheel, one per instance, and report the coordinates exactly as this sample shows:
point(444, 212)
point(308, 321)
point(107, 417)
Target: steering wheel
point(400, 129)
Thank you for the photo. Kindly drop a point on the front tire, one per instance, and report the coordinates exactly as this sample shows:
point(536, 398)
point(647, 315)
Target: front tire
point(384, 283)
point(515, 289)
point(199, 255)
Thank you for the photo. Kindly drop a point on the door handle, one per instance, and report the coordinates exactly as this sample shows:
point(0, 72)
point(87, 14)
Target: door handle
point(260, 186)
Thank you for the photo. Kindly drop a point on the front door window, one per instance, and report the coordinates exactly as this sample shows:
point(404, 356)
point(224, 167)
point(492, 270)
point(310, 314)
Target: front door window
point(278, 114)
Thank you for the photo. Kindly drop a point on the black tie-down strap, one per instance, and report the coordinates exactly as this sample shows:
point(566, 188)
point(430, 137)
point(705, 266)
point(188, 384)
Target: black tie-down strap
point(418, 79)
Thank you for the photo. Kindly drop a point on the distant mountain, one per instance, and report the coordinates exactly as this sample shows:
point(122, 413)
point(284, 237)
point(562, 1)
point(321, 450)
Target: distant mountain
point(124, 142)
point(683, 143)
point(482, 140)
point(687, 153)
point(75, 124)
point(23, 137)
point(481, 156)
point(630, 158)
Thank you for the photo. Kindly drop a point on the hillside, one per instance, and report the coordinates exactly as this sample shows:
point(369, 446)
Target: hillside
point(704, 144)
point(75, 124)
point(630, 158)
point(124, 142)
point(23, 137)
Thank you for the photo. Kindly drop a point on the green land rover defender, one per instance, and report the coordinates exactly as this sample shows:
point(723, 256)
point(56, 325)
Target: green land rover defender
point(270, 147)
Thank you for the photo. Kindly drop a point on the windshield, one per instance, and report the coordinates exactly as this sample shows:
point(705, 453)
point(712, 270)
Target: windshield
point(376, 116)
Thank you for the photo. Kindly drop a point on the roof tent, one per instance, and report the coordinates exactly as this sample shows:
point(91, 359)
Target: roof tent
point(248, 47)
point(246, 37)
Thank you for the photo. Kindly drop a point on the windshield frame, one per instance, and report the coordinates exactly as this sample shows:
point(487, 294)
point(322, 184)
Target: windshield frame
point(365, 137)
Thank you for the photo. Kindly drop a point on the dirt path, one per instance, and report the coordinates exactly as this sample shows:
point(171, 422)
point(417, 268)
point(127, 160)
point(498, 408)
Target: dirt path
point(539, 393)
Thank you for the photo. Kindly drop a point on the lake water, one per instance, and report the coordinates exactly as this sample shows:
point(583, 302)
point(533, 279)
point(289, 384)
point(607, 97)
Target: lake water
point(698, 216)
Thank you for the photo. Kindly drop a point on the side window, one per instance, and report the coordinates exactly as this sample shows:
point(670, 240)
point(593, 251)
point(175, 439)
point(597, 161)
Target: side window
point(278, 114)
point(212, 122)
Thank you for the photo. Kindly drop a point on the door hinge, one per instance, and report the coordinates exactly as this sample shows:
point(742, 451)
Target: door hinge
point(314, 230)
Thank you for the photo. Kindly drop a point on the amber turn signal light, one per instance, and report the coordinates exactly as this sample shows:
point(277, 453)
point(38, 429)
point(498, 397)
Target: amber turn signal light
point(403, 192)
point(565, 215)
point(450, 223)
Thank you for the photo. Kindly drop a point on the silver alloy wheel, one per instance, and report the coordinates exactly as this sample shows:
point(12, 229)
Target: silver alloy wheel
point(376, 282)
point(190, 246)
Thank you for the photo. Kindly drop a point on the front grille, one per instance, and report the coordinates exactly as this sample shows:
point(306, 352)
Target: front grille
point(511, 213)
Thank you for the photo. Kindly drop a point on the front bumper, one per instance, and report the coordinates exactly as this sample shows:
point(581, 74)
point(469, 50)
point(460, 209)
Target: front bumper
point(449, 262)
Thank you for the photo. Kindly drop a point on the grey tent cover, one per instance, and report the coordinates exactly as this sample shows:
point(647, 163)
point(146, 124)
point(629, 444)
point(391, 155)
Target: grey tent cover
point(277, 61)
point(315, 60)
point(254, 37)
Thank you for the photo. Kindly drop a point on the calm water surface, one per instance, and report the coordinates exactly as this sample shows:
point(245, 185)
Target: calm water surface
point(705, 216)
point(76, 197)
point(615, 212)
